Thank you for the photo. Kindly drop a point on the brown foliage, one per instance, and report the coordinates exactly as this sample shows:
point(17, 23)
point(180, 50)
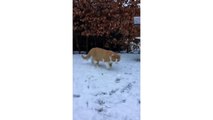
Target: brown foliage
point(104, 17)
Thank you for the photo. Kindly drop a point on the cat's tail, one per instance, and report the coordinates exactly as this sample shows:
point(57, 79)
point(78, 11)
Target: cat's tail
point(86, 57)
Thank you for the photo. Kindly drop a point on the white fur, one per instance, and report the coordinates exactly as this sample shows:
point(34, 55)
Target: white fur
point(116, 61)
point(107, 65)
point(95, 62)
point(110, 59)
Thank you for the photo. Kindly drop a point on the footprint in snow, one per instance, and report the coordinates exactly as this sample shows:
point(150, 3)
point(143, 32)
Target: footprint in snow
point(127, 88)
point(139, 101)
point(128, 73)
point(101, 93)
point(113, 91)
point(99, 110)
point(76, 96)
point(87, 103)
point(117, 80)
point(100, 102)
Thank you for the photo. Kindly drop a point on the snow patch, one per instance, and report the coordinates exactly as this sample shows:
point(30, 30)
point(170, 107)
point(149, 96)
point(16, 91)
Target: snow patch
point(102, 94)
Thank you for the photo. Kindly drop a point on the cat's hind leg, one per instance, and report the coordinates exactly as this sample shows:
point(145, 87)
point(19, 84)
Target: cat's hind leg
point(92, 60)
point(96, 63)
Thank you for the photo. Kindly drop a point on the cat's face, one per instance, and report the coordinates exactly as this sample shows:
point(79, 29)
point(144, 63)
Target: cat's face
point(115, 57)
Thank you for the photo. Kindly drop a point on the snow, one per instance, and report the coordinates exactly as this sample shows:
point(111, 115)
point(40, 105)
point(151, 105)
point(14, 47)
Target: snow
point(106, 94)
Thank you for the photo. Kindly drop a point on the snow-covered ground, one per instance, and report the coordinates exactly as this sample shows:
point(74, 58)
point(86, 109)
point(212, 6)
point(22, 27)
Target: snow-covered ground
point(102, 94)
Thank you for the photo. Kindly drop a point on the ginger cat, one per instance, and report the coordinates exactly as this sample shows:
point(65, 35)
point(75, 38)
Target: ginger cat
point(99, 54)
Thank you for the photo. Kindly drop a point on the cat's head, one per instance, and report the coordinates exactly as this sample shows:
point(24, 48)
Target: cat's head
point(115, 57)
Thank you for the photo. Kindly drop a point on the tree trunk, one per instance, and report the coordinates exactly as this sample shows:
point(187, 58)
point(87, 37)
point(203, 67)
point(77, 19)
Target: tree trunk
point(127, 48)
point(95, 41)
point(79, 50)
point(77, 43)
point(87, 44)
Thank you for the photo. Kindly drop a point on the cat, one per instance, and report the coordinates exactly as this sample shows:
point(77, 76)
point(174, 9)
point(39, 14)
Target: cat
point(99, 54)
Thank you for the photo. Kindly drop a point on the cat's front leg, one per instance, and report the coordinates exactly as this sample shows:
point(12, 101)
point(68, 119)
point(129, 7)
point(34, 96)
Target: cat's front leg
point(108, 65)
